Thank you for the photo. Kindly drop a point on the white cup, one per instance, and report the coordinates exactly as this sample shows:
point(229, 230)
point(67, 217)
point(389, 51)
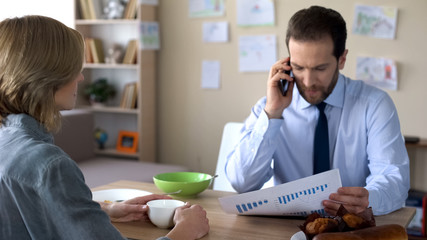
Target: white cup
point(161, 211)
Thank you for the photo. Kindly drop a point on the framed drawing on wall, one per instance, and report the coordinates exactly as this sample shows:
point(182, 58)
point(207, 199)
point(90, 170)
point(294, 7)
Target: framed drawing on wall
point(127, 141)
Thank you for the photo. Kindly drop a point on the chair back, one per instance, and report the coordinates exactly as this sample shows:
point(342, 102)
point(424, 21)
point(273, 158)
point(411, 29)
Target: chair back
point(230, 137)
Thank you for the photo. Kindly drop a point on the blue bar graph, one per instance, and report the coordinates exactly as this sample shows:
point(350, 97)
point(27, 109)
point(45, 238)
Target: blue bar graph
point(244, 207)
point(285, 199)
point(305, 213)
point(293, 196)
point(319, 211)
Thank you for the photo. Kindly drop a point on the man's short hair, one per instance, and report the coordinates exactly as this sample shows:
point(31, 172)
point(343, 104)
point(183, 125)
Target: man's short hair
point(316, 22)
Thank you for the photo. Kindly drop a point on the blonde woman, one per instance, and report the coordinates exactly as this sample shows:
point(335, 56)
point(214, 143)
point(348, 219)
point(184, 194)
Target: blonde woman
point(42, 191)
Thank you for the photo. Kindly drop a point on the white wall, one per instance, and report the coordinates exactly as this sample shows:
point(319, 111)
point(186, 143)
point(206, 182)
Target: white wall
point(61, 10)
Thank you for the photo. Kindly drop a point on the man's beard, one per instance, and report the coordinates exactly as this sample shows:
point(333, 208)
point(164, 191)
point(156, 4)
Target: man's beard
point(325, 92)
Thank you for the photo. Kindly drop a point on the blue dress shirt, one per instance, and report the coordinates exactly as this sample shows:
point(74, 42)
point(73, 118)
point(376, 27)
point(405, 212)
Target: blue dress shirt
point(365, 144)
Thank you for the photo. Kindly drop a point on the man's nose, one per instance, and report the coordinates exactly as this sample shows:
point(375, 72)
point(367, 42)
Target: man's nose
point(308, 78)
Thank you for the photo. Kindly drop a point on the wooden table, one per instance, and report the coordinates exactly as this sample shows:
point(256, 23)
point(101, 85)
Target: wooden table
point(230, 226)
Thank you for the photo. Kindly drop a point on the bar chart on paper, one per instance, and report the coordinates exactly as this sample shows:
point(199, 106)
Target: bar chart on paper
point(298, 198)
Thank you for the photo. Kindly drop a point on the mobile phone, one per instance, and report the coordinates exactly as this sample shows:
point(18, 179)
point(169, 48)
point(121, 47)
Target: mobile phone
point(283, 83)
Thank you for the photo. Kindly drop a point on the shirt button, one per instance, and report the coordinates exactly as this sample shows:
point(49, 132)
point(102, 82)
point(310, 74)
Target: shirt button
point(252, 150)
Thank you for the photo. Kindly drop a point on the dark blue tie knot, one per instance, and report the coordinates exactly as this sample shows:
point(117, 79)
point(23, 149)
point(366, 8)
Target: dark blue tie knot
point(321, 106)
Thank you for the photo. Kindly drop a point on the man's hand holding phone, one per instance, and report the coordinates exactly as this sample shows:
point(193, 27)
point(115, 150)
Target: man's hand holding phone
point(277, 97)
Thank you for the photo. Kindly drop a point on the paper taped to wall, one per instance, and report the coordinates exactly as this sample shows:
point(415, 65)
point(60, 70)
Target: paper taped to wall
point(297, 198)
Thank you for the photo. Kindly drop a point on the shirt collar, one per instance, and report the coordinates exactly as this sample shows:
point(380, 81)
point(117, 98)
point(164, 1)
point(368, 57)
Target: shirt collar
point(29, 124)
point(336, 98)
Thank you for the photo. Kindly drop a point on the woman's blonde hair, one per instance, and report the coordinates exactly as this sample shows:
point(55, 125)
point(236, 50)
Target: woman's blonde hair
point(38, 55)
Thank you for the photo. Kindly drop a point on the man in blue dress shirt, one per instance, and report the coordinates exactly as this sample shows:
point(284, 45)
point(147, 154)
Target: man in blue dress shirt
point(365, 142)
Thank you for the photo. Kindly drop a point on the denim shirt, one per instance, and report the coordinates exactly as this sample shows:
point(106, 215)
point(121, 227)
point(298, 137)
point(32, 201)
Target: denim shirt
point(43, 193)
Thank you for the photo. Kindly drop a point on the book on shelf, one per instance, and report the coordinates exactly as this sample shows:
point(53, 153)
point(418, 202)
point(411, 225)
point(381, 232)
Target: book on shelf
point(97, 50)
point(130, 9)
point(131, 52)
point(129, 96)
point(95, 9)
point(88, 51)
point(90, 9)
point(84, 9)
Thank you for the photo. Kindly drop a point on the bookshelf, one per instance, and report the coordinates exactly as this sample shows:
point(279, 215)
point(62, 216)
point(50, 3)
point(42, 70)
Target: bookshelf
point(111, 117)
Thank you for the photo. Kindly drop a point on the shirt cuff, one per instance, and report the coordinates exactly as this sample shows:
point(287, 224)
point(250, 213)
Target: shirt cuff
point(163, 238)
point(267, 128)
point(373, 202)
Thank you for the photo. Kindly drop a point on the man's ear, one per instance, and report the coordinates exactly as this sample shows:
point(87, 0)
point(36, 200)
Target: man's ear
point(342, 59)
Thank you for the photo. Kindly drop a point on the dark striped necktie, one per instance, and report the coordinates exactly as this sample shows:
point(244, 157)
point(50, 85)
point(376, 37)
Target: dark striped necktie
point(321, 142)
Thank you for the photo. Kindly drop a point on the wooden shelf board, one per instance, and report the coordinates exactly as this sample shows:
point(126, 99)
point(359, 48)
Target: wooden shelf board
point(105, 21)
point(110, 66)
point(110, 109)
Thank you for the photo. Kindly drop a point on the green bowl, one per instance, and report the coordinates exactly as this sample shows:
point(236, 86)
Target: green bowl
point(190, 183)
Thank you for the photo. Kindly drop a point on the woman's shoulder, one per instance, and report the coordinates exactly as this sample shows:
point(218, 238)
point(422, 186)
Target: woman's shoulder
point(32, 160)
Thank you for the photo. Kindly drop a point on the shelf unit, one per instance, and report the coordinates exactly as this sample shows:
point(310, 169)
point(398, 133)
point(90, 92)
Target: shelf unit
point(111, 118)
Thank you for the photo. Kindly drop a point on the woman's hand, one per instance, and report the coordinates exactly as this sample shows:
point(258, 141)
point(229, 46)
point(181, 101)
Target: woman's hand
point(134, 209)
point(190, 223)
